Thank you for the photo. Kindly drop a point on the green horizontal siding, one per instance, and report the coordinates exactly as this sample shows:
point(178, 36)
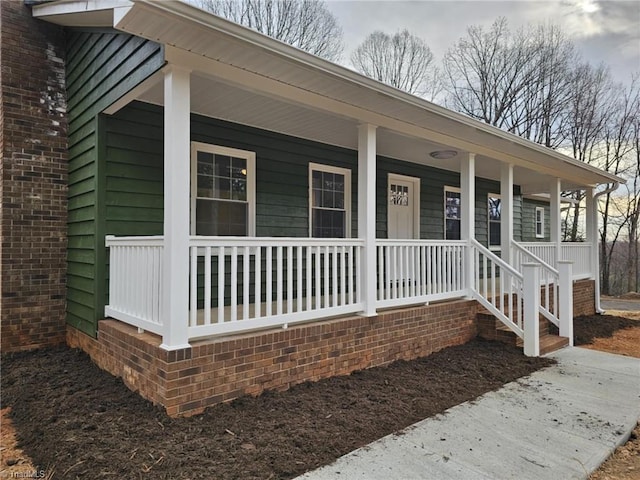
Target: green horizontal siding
point(529, 221)
point(100, 68)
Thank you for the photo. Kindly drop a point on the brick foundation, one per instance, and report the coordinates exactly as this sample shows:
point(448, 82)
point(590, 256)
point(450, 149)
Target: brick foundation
point(33, 180)
point(186, 381)
point(584, 298)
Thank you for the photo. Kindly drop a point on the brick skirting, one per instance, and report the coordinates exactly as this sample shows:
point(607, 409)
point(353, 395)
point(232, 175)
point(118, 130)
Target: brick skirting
point(187, 381)
point(584, 298)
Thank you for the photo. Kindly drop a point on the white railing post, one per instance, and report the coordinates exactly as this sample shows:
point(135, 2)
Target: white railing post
point(531, 287)
point(565, 298)
point(555, 227)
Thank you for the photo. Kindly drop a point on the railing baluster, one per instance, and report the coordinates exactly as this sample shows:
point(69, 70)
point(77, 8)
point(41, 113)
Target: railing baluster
point(334, 265)
point(269, 281)
point(221, 283)
point(207, 283)
point(299, 283)
point(343, 275)
point(327, 273)
point(279, 281)
point(353, 252)
point(318, 277)
point(289, 279)
point(234, 283)
point(246, 281)
point(309, 273)
point(380, 289)
point(257, 302)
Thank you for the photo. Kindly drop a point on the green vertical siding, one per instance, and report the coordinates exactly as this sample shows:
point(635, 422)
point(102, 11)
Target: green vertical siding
point(101, 67)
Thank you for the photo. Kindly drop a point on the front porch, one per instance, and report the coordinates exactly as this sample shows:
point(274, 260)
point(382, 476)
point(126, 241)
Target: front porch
point(240, 284)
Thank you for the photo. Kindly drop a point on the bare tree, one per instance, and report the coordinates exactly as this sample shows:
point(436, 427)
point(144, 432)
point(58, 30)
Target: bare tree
point(621, 144)
point(305, 24)
point(403, 61)
point(519, 82)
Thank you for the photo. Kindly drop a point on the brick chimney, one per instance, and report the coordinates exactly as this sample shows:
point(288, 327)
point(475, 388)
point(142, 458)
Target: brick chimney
point(33, 180)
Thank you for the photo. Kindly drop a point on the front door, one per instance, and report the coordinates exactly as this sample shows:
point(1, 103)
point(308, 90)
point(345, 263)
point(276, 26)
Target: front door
point(403, 207)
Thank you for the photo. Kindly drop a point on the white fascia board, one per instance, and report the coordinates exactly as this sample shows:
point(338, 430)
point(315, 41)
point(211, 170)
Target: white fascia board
point(67, 7)
point(79, 13)
point(545, 197)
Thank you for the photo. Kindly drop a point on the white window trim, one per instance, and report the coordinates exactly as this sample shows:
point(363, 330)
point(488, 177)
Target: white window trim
point(444, 208)
point(250, 157)
point(496, 248)
point(535, 223)
point(416, 199)
point(347, 193)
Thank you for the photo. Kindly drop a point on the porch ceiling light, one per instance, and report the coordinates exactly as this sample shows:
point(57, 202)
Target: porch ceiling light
point(443, 154)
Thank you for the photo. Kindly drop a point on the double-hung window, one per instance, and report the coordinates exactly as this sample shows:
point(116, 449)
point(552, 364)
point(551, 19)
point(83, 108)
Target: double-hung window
point(329, 201)
point(222, 191)
point(452, 213)
point(494, 214)
point(539, 222)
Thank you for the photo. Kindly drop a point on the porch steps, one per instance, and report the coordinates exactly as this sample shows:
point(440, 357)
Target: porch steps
point(490, 328)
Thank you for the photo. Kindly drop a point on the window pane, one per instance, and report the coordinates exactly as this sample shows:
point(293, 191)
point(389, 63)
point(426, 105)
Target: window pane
point(221, 218)
point(222, 188)
point(494, 233)
point(205, 186)
point(223, 166)
point(328, 223)
point(453, 230)
point(453, 205)
point(316, 179)
point(495, 208)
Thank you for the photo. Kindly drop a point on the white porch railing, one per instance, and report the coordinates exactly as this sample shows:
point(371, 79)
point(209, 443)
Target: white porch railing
point(241, 283)
point(135, 276)
point(580, 255)
point(415, 271)
point(577, 252)
point(270, 282)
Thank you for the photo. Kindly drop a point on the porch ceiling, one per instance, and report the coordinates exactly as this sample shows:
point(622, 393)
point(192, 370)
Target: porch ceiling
point(242, 76)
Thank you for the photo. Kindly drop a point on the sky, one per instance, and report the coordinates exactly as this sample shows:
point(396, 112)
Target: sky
point(604, 31)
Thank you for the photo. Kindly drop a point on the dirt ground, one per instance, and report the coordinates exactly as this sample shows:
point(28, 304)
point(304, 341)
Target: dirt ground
point(76, 421)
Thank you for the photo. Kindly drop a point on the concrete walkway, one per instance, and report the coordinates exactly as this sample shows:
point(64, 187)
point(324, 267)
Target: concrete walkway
point(559, 423)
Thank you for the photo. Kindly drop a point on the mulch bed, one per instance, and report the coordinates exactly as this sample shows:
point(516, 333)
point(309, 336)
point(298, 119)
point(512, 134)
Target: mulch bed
point(80, 422)
point(587, 328)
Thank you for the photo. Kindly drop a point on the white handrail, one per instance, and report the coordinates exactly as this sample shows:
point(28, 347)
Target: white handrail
point(498, 287)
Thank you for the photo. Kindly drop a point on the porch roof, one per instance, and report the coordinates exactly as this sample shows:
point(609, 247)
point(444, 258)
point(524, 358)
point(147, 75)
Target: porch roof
point(245, 77)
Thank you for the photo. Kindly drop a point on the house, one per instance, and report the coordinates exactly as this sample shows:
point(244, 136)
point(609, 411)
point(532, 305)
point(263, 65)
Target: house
point(243, 215)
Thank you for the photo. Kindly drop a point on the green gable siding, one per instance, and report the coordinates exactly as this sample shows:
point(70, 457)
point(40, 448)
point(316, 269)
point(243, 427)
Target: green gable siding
point(101, 67)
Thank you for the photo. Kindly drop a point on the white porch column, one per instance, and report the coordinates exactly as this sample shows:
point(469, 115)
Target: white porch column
point(468, 197)
point(367, 215)
point(467, 211)
point(506, 213)
point(175, 272)
point(591, 233)
point(555, 226)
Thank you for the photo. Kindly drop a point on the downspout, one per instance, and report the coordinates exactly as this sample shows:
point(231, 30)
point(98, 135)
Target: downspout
point(614, 187)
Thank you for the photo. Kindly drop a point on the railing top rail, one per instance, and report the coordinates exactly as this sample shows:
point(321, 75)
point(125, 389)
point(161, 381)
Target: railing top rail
point(410, 241)
point(496, 259)
point(535, 258)
point(150, 241)
point(200, 241)
point(537, 244)
point(577, 244)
